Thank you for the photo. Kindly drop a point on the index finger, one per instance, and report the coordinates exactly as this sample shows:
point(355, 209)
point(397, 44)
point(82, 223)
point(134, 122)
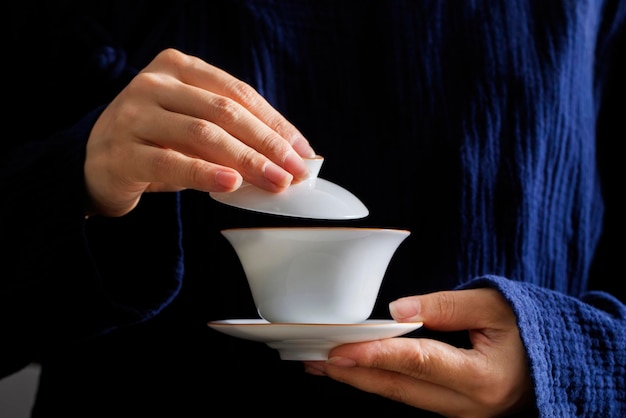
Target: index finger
point(196, 72)
point(437, 369)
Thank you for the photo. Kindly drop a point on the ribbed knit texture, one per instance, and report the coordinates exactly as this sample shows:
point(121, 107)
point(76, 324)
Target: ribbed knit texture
point(476, 125)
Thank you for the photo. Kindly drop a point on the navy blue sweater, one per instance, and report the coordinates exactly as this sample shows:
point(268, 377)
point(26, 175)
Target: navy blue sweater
point(489, 129)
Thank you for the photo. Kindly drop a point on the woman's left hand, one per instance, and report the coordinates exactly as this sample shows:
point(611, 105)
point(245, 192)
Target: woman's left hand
point(491, 378)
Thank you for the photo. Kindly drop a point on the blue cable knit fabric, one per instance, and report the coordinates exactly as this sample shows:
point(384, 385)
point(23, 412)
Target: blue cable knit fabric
point(490, 129)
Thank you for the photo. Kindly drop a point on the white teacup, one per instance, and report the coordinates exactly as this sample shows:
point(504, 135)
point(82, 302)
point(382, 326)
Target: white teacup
point(326, 275)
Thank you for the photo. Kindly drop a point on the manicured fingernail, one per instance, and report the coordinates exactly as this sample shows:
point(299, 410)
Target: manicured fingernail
point(294, 164)
point(228, 180)
point(277, 175)
point(341, 361)
point(404, 308)
point(302, 147)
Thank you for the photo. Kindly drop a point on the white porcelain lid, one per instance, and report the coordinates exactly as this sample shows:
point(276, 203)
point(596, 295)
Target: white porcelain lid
point(314, 198)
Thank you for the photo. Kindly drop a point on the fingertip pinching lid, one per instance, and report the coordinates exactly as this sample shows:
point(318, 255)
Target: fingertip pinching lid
point(314, 198)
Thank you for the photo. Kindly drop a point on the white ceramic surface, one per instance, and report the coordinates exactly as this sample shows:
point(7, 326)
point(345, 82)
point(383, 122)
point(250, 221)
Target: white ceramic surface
point(326, 275)
point(310, 341)
point(314, 198)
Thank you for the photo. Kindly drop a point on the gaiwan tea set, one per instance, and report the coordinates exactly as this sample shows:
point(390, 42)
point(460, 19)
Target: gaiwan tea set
point(314, 287)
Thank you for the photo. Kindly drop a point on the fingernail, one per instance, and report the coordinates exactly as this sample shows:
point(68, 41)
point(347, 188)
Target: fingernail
point(404, 308)
point(341, 361)
point(316, 370)
point(277, 175)
point(228, 179)
point(294, 164)
point(302, 147)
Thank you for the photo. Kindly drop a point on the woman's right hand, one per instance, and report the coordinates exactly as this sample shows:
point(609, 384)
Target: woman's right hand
point(183, 123)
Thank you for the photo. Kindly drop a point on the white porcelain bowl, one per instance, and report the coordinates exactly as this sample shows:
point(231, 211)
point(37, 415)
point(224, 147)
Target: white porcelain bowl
point(324, 275)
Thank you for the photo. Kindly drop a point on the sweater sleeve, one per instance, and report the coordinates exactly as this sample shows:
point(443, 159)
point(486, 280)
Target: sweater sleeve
point(575, 347)
point(64, 277)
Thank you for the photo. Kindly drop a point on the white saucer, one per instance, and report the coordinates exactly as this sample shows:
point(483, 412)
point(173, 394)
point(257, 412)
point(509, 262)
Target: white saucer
point(310, 341)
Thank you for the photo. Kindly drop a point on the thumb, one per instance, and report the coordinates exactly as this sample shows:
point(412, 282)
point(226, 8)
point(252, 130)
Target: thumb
point(453, 310)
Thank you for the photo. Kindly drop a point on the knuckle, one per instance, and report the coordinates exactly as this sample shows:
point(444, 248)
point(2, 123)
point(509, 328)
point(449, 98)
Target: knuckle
point(226, 111)
point(243, 93)
point(194, 173)
point(414, 362)
point(419, 363)
point(249, 160)
point(397, 392)
point(203, 132)
point(273, 145)
point(129, 114)
point(161, 163)
point(279, 124)
point(445, 306)
point(146, 82)
point(188, 174)
point(168, 54)
point(173, 57)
